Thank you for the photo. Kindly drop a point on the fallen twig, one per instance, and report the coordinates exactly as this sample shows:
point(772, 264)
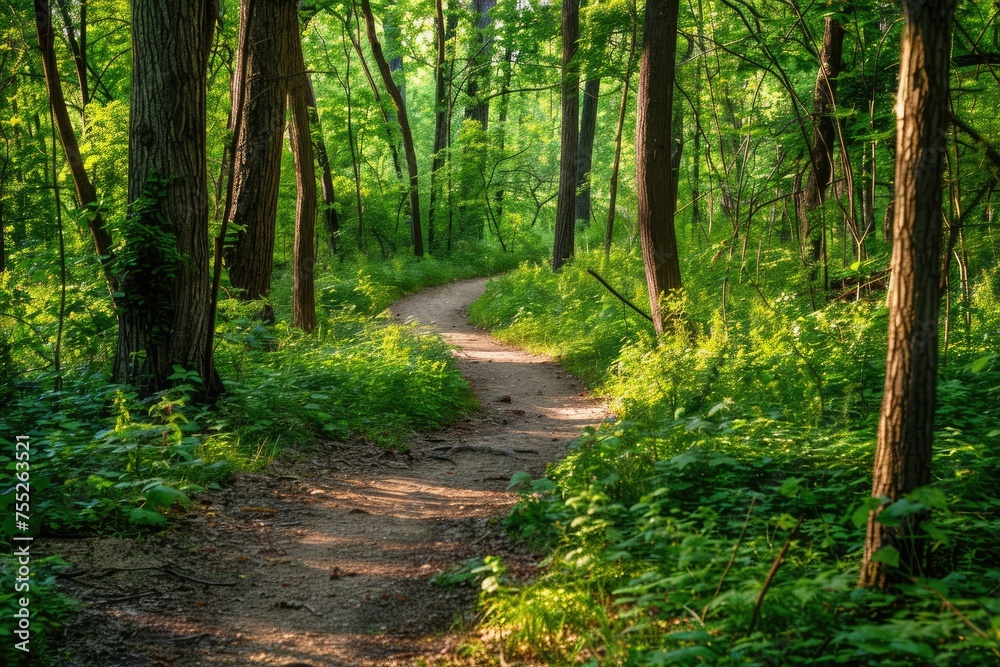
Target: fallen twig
point(500, 451)
point(732, 559)
point(958, 612)
point(770, 576)
point(295, 604)
point(619, 295)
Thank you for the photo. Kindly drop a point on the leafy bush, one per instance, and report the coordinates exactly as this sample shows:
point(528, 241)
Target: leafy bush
point(720, 519)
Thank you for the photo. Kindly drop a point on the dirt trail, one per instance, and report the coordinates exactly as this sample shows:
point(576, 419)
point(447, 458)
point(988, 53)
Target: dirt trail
point(327, 559)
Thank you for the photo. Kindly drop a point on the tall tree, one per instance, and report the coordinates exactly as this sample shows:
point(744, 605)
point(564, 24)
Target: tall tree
point(824, 129)
point(585, 148)
point(609, 226)
point(304, 251)
point(264, 51)
point(404, 126)
point(163, 262)
point(76, 37)
point(562, 248)
point(480, 62)
point(86, 194)
point(387, 124)
point(442, 117)
point(655, 186)
point(906, 425)
point(332, 222)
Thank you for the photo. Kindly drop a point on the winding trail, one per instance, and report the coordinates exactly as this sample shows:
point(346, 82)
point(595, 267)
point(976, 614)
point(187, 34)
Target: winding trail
point(327, 559)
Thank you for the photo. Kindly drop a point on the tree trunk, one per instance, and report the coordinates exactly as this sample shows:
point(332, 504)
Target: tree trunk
point(480, 63)
point(585, 149)
point(562, 248)
point(164, 268)
point(655, 186)
point(3, 194)
point(404, 126)
point(332, 222)
point(304, 252)
point(442, 128)
point(821, 150)
point(906, 426)
point(376, 94)
point(77, 39)
point(391, 35)
point(86, 195)
point(609, 227)
point(260, 140)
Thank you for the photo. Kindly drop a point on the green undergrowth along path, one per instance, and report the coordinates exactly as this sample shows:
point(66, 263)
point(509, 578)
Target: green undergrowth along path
point(720, 519)
point(104, 461)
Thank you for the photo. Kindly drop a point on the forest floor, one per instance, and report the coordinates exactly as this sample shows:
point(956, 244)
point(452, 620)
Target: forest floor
point(327, 556)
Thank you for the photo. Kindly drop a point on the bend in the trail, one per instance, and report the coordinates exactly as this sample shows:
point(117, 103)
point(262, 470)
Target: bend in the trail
point(331, 557)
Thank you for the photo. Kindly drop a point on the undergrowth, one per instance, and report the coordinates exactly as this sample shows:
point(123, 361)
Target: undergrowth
point(720, 518)
point(104, 461)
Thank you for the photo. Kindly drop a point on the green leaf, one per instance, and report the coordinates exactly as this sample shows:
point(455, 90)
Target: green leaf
point(144, 517)
point(519, 479)
point(979, 364)
point(888, 555)
point(791, 486)
point(163, 496)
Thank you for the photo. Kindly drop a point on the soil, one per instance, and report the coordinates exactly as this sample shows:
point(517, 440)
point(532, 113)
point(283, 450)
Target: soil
point(328, 557)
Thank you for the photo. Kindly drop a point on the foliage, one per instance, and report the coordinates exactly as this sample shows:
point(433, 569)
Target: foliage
point(736, 434)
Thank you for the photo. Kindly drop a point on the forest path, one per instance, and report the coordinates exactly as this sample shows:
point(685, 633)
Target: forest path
point(326, 559)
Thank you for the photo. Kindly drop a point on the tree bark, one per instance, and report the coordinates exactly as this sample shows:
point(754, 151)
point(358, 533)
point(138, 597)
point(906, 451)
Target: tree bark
point(824, 128)
point(76, 36)
point(260, 140)
point(304, 252)
point(86, 195)
point(404, 126)
point(609, 227)
point(442, 127)
point(656, 188)
point(376, 94)
point(479, 63)
point(585, 149)
point(330, 219)
point(562, 248)
point(906, 426)
point(164, 273)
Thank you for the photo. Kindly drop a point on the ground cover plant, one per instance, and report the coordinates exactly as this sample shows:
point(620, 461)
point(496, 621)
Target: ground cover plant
point(719, 519)
point(105, 461)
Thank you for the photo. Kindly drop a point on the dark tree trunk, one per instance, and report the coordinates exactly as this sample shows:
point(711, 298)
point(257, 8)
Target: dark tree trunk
point(824, 129)
point(3, 184)
point(330, 219)
point(404, 126)
point(906, 426)
point(377, 95)
point(86, 195)
point(585, 149)
point(391, 34)
point(164, 270)
point(562, 248)
point(442, 127)
point(655, 186)
point(479, 64)
point(304, 252)
point(260, 139)
point(609, 227)
point(76, 36)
